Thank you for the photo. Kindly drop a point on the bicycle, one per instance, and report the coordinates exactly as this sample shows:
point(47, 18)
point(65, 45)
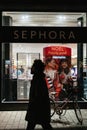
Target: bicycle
point(60, 107)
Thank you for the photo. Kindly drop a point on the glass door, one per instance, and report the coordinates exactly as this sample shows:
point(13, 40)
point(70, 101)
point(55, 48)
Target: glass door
point(24, 76)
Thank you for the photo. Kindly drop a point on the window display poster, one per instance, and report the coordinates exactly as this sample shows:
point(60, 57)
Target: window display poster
point(57, 68)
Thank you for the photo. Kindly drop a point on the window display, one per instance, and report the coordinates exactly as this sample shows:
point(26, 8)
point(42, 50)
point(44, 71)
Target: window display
point(58, 68)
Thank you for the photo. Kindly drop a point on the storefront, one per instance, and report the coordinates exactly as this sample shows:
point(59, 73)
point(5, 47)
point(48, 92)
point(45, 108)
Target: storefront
point(17, 57)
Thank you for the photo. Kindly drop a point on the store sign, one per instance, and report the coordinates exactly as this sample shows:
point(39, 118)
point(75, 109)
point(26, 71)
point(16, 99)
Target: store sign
point(57, 51)
point(43, 34)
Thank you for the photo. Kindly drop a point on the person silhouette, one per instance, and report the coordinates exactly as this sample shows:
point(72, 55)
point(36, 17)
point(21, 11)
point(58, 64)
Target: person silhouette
point(38, 111)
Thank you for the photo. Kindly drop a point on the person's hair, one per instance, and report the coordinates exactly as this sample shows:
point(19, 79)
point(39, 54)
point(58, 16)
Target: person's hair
point(37, 67)
point(48, 60)
point(63, 60)
point(67, 69)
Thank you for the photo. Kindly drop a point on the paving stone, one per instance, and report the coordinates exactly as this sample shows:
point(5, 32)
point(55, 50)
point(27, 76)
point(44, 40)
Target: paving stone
point(15, 120)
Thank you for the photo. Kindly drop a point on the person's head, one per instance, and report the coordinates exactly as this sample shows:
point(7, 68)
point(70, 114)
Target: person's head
point(21, 66)
point(64, 63)
point(64, 66)
point(50, 62)
point(37, 67)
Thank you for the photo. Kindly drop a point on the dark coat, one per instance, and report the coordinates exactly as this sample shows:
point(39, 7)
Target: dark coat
point(39, 103)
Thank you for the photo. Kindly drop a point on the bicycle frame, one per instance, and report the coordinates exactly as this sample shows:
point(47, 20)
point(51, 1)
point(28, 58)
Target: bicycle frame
point(60, 107)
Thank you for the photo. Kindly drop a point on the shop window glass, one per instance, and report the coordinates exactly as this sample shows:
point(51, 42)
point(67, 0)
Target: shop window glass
point(85, 70)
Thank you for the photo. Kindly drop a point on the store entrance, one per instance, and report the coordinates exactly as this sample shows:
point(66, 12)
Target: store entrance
point(17, 58)
point(23, 73)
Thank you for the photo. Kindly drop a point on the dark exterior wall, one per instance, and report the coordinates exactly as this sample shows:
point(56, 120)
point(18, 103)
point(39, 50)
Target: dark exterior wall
point(44, 5)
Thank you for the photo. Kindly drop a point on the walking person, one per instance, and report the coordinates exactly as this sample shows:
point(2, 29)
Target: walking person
point(38, 111)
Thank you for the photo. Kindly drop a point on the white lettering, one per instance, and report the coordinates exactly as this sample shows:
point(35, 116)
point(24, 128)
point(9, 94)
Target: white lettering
point(62, 35)
point(52, 35)
point(24, 34)
point(16, 35)
point(33, 34)
point(42, 34)
point(71, 35)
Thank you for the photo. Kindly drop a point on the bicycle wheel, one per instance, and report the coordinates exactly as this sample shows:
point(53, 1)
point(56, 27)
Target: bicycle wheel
point(78, 112)
point(52, 107)
point(61, 109)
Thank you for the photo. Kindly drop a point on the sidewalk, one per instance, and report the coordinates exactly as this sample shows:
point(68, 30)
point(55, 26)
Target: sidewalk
point(15, 120)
